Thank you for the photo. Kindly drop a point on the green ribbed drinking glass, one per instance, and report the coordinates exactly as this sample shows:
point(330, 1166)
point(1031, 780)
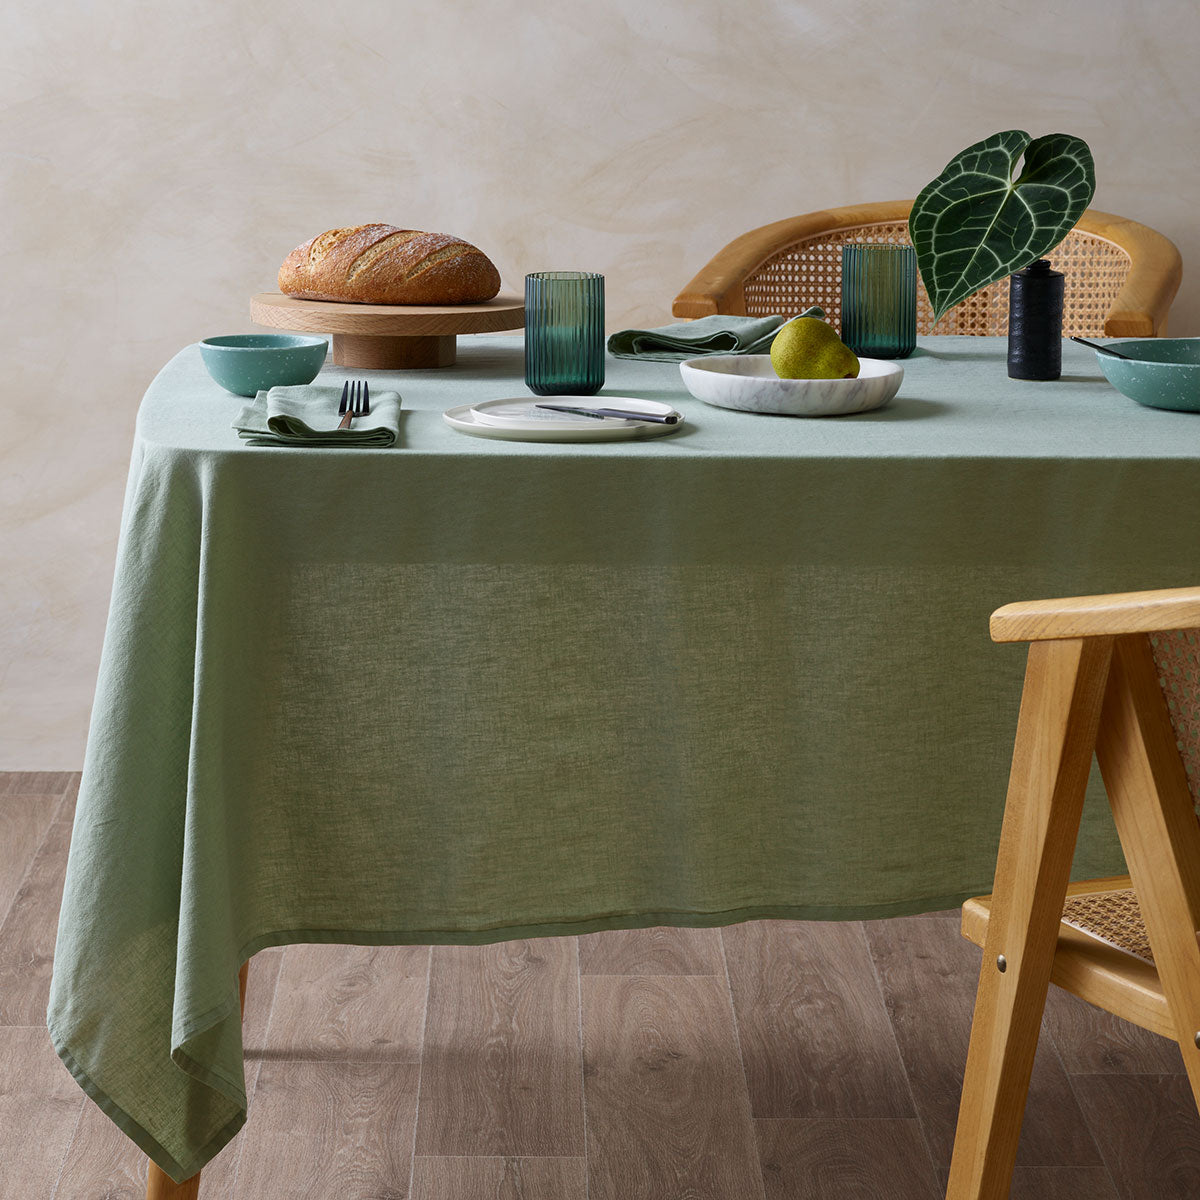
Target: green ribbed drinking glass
point(879, 299)
point(564, 333)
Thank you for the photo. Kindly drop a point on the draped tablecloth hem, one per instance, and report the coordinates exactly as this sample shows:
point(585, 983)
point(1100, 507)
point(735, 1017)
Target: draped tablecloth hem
point(631, 919)
point(232, 1090)
point(136, 1132)
point(185, 1165)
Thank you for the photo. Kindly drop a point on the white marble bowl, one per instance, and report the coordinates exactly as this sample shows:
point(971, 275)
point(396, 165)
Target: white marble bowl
point(748, 381)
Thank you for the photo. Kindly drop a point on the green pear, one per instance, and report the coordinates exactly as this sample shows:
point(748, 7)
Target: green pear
point(808, 348)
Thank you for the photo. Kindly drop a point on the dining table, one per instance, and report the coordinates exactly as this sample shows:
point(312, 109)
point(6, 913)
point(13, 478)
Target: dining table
point(465, 690)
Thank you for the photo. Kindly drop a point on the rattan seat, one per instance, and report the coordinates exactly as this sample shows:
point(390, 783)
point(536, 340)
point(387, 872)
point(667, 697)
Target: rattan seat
point(1120, 276)
point(1103, 910)
point(1112, 916)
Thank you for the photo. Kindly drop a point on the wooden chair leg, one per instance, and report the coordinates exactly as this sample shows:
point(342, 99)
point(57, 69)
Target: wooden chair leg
point(1056, 735)
point(159, 1185)
point(1156, 821)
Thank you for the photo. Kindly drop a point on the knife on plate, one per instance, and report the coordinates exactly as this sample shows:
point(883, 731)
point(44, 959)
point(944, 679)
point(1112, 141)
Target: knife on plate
point(624, 414)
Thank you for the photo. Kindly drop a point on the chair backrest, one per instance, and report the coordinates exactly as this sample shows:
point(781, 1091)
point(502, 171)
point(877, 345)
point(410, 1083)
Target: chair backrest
point(1115, 916)
point(1177, 655)
point(1121, 276)
point(810, 272)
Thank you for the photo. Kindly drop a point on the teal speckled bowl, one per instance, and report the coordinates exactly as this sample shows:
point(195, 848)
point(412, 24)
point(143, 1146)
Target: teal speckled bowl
point(1164, 373)
point(246, 363)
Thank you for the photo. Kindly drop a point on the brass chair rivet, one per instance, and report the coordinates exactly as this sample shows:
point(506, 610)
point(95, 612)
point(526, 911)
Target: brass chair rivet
point(1002, 966)
point(1197, 1040)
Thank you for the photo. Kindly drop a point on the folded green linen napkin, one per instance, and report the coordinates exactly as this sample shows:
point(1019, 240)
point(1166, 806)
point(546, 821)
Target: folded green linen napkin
point(718, 334)
point(308, 416)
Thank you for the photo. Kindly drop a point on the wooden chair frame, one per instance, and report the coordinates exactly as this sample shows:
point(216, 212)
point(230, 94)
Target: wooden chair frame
point(1091, 684)
point(1140, 309)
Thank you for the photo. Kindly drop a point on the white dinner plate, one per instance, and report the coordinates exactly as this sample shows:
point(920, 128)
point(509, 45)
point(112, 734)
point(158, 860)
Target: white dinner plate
point(523, 412)
point(518, 419)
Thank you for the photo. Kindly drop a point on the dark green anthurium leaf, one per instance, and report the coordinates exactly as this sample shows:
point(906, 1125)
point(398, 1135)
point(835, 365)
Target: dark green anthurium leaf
point(975, 223)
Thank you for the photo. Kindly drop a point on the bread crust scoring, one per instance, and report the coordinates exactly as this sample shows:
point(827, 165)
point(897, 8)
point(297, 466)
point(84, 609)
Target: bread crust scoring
point(384, 264)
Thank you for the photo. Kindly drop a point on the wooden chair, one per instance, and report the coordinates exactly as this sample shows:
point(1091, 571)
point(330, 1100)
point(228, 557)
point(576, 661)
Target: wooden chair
point(1118, 675)
point(1121, 276)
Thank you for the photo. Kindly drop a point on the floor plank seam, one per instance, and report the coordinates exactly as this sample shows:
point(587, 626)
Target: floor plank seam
point(856, 1120)
point(62, 1166)
point(499, 1157)
point(331, 1058)
point(649, 975)
point(1101, 1157)
point(737, 1041)
point(1087, 1123)
point(252, 1097)
point(912, 1096)
point(412, 1156)
point(62, 799)
point(266, 1036)
point(587, 1179)
point(37, 850)
point(1123, 1075)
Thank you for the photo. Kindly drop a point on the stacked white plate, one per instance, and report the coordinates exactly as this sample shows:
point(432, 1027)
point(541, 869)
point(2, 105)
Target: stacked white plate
point(519, 419)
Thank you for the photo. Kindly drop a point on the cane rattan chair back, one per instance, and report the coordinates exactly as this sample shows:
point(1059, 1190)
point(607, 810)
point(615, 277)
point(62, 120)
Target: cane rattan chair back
point(1118, 676)
point(1112, 914)
point(1120, 276)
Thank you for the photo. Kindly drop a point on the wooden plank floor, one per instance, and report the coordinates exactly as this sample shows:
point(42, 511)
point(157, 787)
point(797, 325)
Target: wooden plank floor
point(767, 1061)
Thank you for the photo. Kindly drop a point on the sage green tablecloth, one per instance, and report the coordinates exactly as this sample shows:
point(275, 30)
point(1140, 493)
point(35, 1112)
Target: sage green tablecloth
point(464, 690)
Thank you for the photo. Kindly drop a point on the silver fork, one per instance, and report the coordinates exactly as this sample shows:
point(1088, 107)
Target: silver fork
point(356, 401)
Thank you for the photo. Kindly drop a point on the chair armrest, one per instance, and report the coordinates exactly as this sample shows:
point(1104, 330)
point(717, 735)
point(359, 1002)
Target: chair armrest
point(1141, 307)
point(1097, 616)
point(718, 286)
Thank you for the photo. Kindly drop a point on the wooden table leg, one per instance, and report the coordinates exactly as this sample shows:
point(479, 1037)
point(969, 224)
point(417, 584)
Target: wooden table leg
point(159, 1185)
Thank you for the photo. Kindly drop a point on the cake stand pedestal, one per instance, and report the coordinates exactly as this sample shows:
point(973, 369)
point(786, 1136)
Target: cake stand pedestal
point(392, 337)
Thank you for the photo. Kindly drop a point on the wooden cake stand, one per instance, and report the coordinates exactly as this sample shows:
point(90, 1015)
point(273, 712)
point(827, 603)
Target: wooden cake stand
point(388, 336)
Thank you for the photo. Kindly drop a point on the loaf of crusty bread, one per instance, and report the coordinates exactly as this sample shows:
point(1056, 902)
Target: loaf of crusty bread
point(380, 264)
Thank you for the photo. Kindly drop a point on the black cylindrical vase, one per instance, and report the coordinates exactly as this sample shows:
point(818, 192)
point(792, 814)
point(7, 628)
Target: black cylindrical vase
point(1035, 306)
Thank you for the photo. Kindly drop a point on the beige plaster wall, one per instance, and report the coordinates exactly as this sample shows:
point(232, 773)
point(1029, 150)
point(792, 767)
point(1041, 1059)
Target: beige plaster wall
point(158, 161)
